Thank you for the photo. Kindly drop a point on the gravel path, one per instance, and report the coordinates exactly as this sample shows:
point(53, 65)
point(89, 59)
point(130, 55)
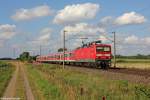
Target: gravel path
point(11, 88)
point(29, 94)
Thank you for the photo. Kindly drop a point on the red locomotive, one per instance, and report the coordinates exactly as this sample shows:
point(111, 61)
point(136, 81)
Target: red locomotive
point(93, 54)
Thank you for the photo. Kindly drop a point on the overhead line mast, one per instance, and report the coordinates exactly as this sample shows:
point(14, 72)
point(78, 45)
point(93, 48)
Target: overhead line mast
point(40, 50)
point(64, 48)
point(114, 33)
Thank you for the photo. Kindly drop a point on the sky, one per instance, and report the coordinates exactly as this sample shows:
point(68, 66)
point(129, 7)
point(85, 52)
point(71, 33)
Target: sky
point(25, 25)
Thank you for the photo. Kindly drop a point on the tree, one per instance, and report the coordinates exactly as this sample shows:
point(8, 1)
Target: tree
point(25, 56)
point(62, 49)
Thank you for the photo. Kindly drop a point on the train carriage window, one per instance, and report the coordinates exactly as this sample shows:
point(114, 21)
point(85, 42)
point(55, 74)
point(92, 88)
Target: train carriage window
point(61, 56)
point(66, 55)
point(55, 56)
point(58, 57)
point(52, 56)
point(49, 57)
point(71, 54)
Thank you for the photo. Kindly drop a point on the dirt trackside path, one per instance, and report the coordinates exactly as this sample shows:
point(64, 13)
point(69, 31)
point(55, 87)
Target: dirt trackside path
point(15, 84)
point(11, 88)
point(29, 94)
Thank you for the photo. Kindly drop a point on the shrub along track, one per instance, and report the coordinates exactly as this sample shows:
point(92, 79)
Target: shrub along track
point(16, 84)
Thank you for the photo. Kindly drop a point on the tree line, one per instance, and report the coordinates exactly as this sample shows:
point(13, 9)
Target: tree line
point(25, 56)
point(138, 56)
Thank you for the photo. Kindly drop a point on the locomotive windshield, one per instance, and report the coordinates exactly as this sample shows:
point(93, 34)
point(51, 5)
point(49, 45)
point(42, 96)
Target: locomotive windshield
point(102, 49)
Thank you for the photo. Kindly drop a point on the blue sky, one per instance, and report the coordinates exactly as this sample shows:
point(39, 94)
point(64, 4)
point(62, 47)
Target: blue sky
point(27, 24)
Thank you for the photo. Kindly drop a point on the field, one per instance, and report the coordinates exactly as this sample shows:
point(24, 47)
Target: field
point(133, 63)
point(5, 75)
point(51, 82)
point(70, 84)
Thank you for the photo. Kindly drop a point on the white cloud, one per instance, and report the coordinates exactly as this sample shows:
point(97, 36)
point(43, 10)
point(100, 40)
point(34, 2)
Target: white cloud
point(135, 45)
point(7, 27)
point(146, 40)
point(46, 30)
point(135, 40)
point(130, 18)
point(43, 38)
point(1, 43)
point(80, 31)
point(132, 44)
point(132, 39)
point(106, 20)
point(27, 14)
point(7, 31)
point(76, 13)
point(83, 29)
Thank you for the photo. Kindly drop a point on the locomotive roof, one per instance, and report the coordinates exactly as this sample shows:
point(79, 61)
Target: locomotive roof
point(98, 43)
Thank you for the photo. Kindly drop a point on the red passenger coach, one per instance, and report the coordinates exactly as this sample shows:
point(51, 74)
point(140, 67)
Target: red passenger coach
point(93, 54)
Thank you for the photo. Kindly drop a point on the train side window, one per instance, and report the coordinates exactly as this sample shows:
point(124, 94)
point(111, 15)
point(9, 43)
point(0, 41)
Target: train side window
point(57, 56)
point(66, 55)
point(70, 54)
point(61, 56)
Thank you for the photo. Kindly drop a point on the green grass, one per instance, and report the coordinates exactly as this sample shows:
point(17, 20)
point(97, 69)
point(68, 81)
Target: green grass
point(132, 63)
point(5, 75)
point(41, 86)
point(53, 83)
point(125, 60)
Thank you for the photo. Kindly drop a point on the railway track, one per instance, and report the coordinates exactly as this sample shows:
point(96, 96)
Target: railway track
point(132, 75)
point(133, 71)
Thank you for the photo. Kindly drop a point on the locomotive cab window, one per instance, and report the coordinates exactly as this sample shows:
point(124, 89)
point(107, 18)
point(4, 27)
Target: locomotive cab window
point(102, 49)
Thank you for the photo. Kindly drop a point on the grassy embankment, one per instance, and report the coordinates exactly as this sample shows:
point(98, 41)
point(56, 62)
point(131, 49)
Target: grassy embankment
point(6, 70)
point(49, 82)
point(133, 63)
